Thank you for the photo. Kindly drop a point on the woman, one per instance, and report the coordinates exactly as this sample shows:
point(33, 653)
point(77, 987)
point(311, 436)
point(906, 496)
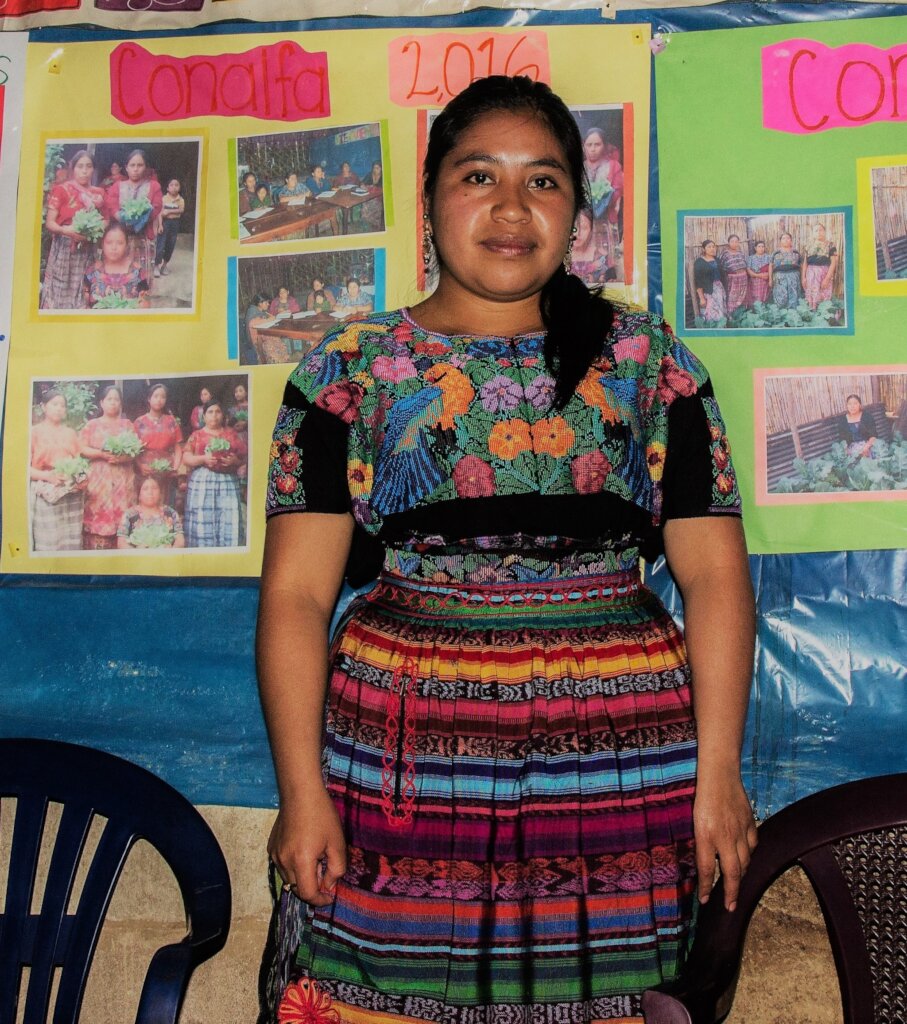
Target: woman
point(709, 287)
point(110, 488)
point(150, 523)
point(197, 416)
point(114, 175)
point(71, 254)
point(784, 273)
point(213, 501)
point(136, 203)
point(463, 830)
point(57, 497)
point(283, 302)
point(115, 280)
point(856, 430)
point(602, 166)
point(353, 299)
point(317, 181)
point(247, 193)
point(238, 413)
point(736, 278)
point(325, 302)
point(818, 272)
point(256, 316)
point(346, 177)
point(588, 262)
point(375, 177)
point(757, 269)
point(172, 208)
point(162, 437)
point(292, 188)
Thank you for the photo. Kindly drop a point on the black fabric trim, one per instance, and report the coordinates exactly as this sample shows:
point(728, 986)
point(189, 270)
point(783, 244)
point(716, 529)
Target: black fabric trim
point(322, 439)
point(687, 476)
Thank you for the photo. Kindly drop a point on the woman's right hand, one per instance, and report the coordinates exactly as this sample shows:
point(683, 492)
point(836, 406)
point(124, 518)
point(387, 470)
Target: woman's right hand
point(308, 848)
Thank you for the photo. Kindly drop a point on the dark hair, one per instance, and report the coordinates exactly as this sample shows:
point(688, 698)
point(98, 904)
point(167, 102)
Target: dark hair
point(576, 319)
point(106, 391)
point(50, 393)
point(857, 397)
point(113, 225)
point(142, 154)
point(729, 237)
point(353, 280)
point(252, 175)
point(77, 157)
point(154, 387)
point(291, 174)
point(259, 297)
point(210, 405)
point(705, 242)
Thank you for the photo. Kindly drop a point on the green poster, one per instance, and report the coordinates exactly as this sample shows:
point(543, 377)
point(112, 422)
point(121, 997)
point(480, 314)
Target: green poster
point(783, 172)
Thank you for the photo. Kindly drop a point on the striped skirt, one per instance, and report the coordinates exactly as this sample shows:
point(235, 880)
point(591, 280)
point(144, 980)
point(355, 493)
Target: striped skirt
point(514, 768)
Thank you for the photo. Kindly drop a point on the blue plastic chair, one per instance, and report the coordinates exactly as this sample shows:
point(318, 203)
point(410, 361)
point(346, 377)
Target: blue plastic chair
point(137, 805)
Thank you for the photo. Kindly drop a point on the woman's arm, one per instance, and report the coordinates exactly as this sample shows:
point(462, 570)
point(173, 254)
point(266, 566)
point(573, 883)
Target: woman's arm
point(305, 555)
point(707, 557)
point(830, 275)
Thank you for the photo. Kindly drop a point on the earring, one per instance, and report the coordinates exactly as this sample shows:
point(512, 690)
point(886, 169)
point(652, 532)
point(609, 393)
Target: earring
point(568, 255)
point(428, 245)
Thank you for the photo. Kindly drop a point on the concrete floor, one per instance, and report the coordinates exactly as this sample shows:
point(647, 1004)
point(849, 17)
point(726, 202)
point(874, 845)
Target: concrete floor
point(788, 975)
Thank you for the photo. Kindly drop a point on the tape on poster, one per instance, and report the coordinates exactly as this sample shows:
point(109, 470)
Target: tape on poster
point(280, 82)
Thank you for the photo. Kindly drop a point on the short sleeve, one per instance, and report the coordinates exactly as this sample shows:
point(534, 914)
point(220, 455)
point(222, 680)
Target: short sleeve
point(688, 450)
point(308, 463)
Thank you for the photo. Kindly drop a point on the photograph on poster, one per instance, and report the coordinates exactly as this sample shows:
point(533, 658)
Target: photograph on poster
point(135, 464)
point(321, 182)
point(889, 221)
point(831, 434)
point(765, 272)
point(119, 226)
point(599, 253)
point(286, 304)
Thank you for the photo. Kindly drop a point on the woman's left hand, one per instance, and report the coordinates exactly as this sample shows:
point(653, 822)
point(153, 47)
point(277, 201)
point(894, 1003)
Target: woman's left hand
point(725, 829)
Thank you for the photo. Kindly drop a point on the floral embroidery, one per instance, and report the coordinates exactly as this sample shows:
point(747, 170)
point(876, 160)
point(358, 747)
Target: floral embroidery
point(360, 476)
point(553, 437)
point(473, 478)
point(509, 438)
point(501, 394)
point(724, 490)
point(655, 457)
point(590, 472)
point(304, 1003)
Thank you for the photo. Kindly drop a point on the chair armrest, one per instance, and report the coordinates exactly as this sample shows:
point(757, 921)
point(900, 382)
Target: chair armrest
point(165, 983)
point(661, 1008)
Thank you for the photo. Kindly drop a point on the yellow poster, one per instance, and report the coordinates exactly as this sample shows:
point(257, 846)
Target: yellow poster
point(194, 214)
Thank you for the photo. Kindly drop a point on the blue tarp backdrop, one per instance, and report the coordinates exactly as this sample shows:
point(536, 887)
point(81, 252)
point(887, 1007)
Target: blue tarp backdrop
point(161, 671)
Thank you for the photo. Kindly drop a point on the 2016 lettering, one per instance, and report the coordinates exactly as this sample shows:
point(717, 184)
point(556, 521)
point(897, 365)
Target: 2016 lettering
point(432, 69)
point(279, 82)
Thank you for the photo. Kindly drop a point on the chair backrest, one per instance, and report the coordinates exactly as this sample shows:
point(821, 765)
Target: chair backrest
point(55, 938)
point(851, 841)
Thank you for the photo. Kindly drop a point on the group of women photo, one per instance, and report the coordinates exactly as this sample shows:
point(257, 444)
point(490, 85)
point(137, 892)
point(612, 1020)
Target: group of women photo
point(774, 271)
point(139, 464)
point(116, 224)
point(507, 780)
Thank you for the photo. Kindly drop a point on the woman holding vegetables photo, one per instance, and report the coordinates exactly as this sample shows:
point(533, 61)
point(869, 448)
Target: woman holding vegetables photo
point(115, 281)
point(136, 203)
point(57, 474)
point(162, 437)
point(150, 523)
point(110, 444)
point(75, 221)
point(216, 457)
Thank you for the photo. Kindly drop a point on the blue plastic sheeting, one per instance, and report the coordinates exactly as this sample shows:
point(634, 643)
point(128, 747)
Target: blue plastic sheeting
point(162, 674)
point(829, 701)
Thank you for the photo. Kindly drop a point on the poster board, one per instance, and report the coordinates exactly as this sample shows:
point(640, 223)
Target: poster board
point(279, 103)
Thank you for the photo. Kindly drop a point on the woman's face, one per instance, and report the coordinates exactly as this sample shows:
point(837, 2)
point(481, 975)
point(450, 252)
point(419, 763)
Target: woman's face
point(55, 409)
point(249, 182)
point(376, 172)
point(583, 230)
point(262, 192)
point(112, 403)
point(353, 289)
point(239, 393)
point(594, 148)
point(263, 305)
point(760, 248)
point(503, 207)
point(292, 181)
point(318, 173)
point(150, 493)
point(204, 395)
point(114, 246)
point(283, 294)
point(345, 168)
point(158, 399)
point(115, 169)
point(214, 417)
point(854, 406)
point(83, 169)
point(819, 233)
point(710, 249)
point(787, 241)
point(135, 168)
point(734, 242)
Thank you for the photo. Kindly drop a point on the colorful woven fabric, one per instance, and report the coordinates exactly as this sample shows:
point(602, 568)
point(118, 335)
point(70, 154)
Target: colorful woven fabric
point(515, 769)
